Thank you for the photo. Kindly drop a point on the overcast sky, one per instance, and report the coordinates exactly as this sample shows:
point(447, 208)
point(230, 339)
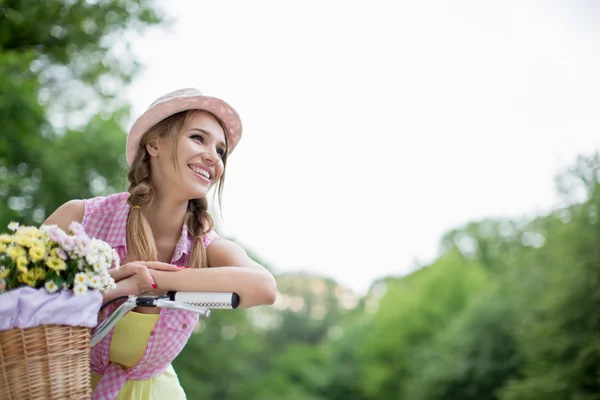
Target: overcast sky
point(371, 128)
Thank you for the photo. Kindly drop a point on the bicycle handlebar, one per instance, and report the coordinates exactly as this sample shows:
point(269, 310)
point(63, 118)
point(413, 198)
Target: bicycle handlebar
point(207, 299)
point(198, 302)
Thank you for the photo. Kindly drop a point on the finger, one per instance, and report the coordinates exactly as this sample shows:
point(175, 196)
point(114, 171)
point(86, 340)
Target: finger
point(157, 265)
point(125, 271)
point(148, 279)
point(141, 276)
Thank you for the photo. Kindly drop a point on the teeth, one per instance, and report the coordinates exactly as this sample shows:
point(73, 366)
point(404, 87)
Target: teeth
point(202, 172)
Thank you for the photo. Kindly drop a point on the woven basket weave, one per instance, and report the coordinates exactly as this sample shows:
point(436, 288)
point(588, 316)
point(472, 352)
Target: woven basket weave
point(45, 362)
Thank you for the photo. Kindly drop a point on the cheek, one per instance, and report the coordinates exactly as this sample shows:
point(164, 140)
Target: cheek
point(219, 171)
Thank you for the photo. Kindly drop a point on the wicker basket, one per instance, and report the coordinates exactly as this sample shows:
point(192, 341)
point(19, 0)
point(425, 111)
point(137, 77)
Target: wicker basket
point(45, 362)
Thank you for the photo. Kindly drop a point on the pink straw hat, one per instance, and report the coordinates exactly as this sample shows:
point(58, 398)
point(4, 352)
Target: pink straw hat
point(183, 100)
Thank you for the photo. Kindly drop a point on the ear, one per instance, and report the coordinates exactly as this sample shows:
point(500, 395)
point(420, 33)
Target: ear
point(152, 147)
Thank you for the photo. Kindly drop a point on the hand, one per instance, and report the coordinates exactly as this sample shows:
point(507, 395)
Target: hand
point(141, 268)
point(135, 277)
point(132, 285)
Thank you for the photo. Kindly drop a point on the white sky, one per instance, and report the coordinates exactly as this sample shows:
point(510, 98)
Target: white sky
point(371, 128)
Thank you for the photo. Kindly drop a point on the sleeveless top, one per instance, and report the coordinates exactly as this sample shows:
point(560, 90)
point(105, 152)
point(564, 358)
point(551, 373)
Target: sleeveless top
point(105, 218)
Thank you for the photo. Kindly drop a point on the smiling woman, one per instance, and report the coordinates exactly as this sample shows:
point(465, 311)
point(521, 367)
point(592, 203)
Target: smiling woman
point(163, 233)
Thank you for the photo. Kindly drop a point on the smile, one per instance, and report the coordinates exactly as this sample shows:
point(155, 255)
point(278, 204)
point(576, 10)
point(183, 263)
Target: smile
point(200, 171)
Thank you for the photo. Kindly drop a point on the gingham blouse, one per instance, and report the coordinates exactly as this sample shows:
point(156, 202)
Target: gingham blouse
point(105, 218)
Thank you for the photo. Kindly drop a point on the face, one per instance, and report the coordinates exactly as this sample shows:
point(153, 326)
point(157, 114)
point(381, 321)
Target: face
point(199, 158)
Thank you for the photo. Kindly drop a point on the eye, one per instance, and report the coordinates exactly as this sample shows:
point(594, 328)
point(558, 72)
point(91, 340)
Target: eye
point(221, 152)
point(200, 138)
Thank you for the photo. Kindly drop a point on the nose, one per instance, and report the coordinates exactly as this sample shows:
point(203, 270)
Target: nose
point(210, 155)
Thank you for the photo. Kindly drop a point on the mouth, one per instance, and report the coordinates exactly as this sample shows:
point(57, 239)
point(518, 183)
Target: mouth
point(200, 172)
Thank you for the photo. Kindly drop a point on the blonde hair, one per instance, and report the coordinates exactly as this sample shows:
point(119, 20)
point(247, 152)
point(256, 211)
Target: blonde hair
point(141, 196)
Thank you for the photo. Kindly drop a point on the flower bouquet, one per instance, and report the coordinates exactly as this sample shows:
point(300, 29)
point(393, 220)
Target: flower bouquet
point(50, 295)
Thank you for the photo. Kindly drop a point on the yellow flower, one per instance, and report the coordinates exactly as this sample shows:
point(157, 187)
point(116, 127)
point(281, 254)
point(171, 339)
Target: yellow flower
point(4, 272)
point(22, 240)
point(15, 252)
point(6, 239)
point(2, 247)
point(35, 242)
point(40, 273)
point(22, 262)
point(56, 264)
point(36, 253)
point(28, 278)
point(30, 231)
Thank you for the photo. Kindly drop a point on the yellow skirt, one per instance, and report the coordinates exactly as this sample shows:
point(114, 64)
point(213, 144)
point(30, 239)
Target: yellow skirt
point(127, 349)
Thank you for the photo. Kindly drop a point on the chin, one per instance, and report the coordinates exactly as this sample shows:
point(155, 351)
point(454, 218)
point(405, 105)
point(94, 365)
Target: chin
point(197, 194)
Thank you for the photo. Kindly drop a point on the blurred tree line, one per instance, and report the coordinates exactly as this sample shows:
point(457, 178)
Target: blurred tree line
point(509, 310)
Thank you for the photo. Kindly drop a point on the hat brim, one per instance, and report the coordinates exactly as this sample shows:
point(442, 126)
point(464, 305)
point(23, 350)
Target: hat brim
point(220, 109)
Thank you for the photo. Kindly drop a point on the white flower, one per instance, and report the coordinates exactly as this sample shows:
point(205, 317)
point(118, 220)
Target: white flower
point(77, 229)
point(79, 289)
point(45, 235)
point(95, 282)
point(82, 245)
point(13, 226)
point(67, 243)
point(92, 258)
point(56, 234)
point(51, 286)
point(81, 279)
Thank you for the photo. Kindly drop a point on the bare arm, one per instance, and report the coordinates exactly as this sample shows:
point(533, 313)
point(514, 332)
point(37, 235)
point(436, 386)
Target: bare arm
point(240, 274)
point(63, 216)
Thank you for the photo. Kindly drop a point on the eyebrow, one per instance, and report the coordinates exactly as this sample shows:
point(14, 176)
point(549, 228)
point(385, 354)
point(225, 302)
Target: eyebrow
point(221, 143)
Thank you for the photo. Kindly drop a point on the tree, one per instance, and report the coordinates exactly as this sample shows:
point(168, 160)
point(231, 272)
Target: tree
point(60, 66)
point(411, 315)
point(559, 321)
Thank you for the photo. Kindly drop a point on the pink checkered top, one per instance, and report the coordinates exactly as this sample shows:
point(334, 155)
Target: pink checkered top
point(105, 218)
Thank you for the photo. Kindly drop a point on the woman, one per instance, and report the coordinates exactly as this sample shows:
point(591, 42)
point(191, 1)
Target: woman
point(177, 151)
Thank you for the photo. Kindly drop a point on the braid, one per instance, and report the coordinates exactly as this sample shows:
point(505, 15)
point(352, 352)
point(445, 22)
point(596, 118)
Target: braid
point(139, 233)
point(199, 222)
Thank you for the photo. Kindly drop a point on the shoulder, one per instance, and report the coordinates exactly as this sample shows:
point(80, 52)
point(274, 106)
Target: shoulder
point(105, 204)
point(79, 210)
point(223, 252)
point(70, 211)
point(209, 237)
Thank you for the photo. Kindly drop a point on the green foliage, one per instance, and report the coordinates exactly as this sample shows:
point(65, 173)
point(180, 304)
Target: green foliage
point(58, 63)
point(73, 40)
point(471, 358)
point(412, 313)
point(559, 327)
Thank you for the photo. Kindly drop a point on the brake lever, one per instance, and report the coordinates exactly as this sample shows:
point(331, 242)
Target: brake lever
point(170, 304)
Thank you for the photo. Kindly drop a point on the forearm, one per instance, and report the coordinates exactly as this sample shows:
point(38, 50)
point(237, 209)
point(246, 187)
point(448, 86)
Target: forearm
point(254, 286)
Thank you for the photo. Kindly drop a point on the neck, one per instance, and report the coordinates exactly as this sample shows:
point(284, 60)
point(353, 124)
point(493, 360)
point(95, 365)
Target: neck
point(166, 216)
